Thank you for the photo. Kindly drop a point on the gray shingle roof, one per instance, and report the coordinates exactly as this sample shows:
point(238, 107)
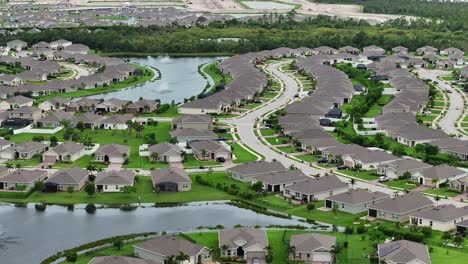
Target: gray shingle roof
point(73, 175)
point(175, 175)
point(170, 246)
point(228, 237)
point(318, 185)
point(163, 148)
point(404, 251)
point(443, 213)
point(403, 204)
point(305, 243)
point(121, 260)
point(23, 176)
point(440, 172)
point(358, 196)
point(115, 177)
point(258, 167)
point(281, 177)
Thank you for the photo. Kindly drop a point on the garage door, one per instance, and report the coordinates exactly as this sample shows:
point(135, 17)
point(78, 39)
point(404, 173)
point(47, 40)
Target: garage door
point(49, 159)
point(328, 204)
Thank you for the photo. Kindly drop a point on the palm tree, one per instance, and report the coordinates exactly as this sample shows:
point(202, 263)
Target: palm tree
point(446, 236)
point(335, 251)
point(223, 249)
point(181, 257)
point(437, 199)
point(382, 261)
point(170, 260)
point(291, 250)
point(457, 240)
point(435, 181)
point(129, 124)
point(154, 156)
point(204, 152)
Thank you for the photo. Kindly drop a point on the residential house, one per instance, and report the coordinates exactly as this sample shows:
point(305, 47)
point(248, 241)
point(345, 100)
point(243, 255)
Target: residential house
point(41, 45)
point(451, 51)
point(441, 218)
point(54, 104)
point(112, 153)
point(17, 45)
point(26, 112)
point(112, 105)
point(399, 209)
point(113, 181)
point(171, 180)
point(119, 122)
point(25, 178)
point(165, 152)
point(399, 49)
point(245, 243)
point(16, 102)
point(395, 169)
point(142, 106)
point(60, 44)
point(54, 119)
point(246, 172)
point(75, 178)
point(89, 120)
point(403, 252)
point(5, 144)
point(67, 151)
point(210, 150)
point(355, 201)
point(192, 134)
point(452, 146)
point(277, 181)
point(312, 248)
point(199, 122)
point(436, 175)
point(10, 80)
point(82, 105)
point(460, 184)
point(426, 50)
point(464, 73)
point(161, 247)
point(315, 189)
point(76, 49)
point(462, 227)
point(23, 150)
point(121, 260)
point(445, 64)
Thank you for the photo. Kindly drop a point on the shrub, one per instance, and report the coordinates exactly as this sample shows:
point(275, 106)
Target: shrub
point(349, 230)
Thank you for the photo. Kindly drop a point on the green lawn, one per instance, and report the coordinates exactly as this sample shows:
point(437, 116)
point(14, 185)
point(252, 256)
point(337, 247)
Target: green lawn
point(439, 103)
point(400, 184)
point(308, 157)
point(241, 154)
point(252, 106)
point(144, 193)
point(191, 162)
point(277, 141)
point(364, 175)
point(215, 73)
point(221, 178)
point(225, 135)
point(269, 95)
point(290, 149)
point(81, 162)
point(376, 109)
point(103, 136)
point(267, 132)
point(35, 161)
point(428, 117)
point(444, 191)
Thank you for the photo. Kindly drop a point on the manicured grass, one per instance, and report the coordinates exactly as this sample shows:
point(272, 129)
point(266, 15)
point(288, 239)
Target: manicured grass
point(364, 175)
point(81, 162)
point(241, 154)
point(442, 192)
point(448, 255)
point(277, 141)
point(173, 111)
point(144, 193)
point(144, 163)
point(308, 157)
point(448, 78)
point(269, 95)
point(376, 109)
point(35, 161)
point(215, 73)
point(131, 81)
point(400, 184)
point(221, 178)
point(267, 132)
point(191, 162)
point(428, 117)
point(439, 103)
point(290, 149)
point(252, 106)
point(225, 135)
point(435, 111)
point(339, 218)
point(103, 136)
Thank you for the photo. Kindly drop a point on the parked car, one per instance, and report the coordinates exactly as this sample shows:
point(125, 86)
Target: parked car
point(383, 179)
point(322, 160)
point(201, 167)
point(221, 159)
point(342, 167)
point(223, 139)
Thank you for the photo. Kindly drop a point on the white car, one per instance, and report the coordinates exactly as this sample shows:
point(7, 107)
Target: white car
point(383, 179)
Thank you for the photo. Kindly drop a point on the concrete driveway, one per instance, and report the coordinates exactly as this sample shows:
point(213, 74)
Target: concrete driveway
point(114, 166)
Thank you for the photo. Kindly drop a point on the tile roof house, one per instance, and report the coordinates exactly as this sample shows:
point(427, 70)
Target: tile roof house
point(355, 200)
point(210, 150)
point(161, 247)
point(171, 180)
point(121, 260)
point(312, 248)
point(112, 153)
point(200, 122)
point(441, 172)
point(397, 168)
point(192, 134)
point(165, 152)
point(277, 181)
point(70, 177)
point(400, 208)
point(403, 252)
point(23, 150)
point(27, 178)
point(112, 181)
point(67, 151)
point(246, 243)
point(246, 171)
point(16, 102)
point(315, 189)
point(440, 218)
point(142, 106)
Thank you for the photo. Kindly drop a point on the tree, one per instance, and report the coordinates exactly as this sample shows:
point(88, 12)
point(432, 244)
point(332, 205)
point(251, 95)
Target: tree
point(257, 186)
point(437, 199)
point(53, 141)
point(71, 257)
point(352, 182)
point(157, 190)
point(127, 189)
point(9, 166)
point(310, 206)
point(170, 260)
point(446, 236)
point(70, 190)
point(18, 166)
point(80, 126)
point(336, 250)
point(435, 181)
point(407, 175)
point(182, 257)
point(39, 186)
point(154, 156)
point(457, 240)
point(399, 151)
point(90, 189)
point(118, 244)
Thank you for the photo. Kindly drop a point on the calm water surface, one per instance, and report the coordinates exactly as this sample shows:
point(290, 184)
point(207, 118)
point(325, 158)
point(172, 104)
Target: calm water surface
point(41, 234)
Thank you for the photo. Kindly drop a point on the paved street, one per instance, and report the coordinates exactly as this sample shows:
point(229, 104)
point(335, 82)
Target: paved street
point(455, 110)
